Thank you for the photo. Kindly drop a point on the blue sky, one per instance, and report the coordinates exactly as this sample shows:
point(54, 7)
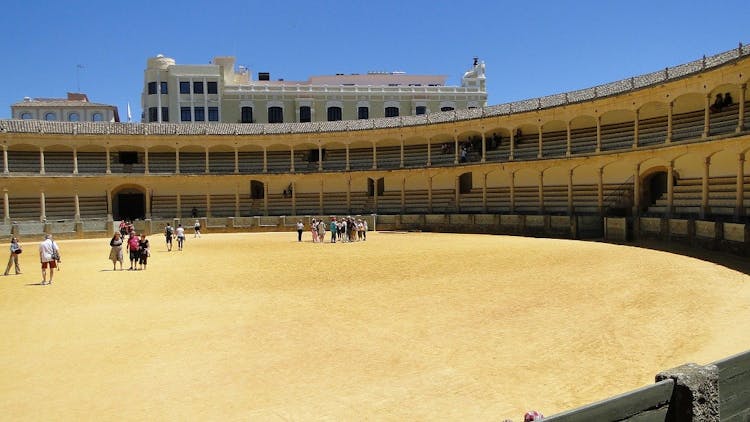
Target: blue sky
point(531, 48)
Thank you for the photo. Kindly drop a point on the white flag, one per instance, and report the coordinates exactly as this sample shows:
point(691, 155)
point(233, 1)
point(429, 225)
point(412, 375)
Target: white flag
point(129, 115)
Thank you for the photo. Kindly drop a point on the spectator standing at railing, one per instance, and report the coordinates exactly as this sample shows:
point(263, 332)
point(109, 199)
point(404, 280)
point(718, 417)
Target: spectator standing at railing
point(15, 250)
point(718, 103)
point(728, 99)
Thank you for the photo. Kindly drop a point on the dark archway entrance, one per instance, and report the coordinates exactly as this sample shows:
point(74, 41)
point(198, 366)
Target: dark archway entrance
point(129, 204)
point(654, 187)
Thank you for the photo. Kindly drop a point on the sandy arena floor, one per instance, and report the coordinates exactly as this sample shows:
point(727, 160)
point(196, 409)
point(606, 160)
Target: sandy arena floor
point(401, 327)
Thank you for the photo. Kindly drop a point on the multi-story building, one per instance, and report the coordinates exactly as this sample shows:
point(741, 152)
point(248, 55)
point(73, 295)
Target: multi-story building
point(76, 107)
point(218, 92)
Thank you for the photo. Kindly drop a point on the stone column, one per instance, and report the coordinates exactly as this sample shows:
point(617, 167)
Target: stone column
point(374, 156)
point(348, 167)
point(291, 156)
point(294, 197)
point(265, 197)
point(429, 194)
point(5, 160)
point(320, 196)
point(207, 168)
point(236, 201)
point(512, 144)
point(706, 116)
point(598, 133)
point(670, 112)
point(41, 161)
point(265, 160)
point(541, 192)
point(568, 142)
point(179, 205)
point(484, 146)
point(570, 192)
point(43, 205)
point(147, 198)
point(704, 188)
point(670, 188)
point(6, 206)
point(739, 209)
point(177, 161)
point(349, 194)
point(455, 149)
point(541, 140)
point(401, 163)
point(77, 205)
point(108, 165)
point(145, 161)
point(75, 160)
point(457, 193)
point(512, 192)
point(696, 393)
point(109, 205)
point(429, 153)
point(320, 158)
point(403, 195)
point(636, 123)
point(637, 190)
point(484, 193)
point(600, 191)
point(208, 205)
point(741, 117)
point(236, 161)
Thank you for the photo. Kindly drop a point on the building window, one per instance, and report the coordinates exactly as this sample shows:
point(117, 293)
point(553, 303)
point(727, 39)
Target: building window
point(334, 113)
point(73, 117)
point(26, 116)
point(185, 114)
point(391, 112)
point(50, 116)
point(200, 114)
point(305, 114)
point(151, 88)
point(198, 87)
point(363, 113)
point(153, 114)
point(246, 115)
point(446, 108)
point(275, 115)
point(184, 87)
point(97, 117)
point(421, 110)
point(165, 114)
point(164, 88)
point(212, 87)
point(213, 114)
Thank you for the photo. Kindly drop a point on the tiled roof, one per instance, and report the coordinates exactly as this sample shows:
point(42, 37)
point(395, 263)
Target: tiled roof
point(605, 90)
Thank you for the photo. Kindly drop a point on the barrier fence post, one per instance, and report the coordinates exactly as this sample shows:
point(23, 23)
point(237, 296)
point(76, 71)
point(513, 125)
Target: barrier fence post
point(696, 393)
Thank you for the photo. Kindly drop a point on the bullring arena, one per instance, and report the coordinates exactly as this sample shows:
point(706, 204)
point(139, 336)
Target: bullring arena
point(404, 326)
point(247, 323)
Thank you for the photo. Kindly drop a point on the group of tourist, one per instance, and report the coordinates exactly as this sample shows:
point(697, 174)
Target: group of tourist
point(49, 257)
point(138, 250)
point(722, 101)
point(345, 229)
